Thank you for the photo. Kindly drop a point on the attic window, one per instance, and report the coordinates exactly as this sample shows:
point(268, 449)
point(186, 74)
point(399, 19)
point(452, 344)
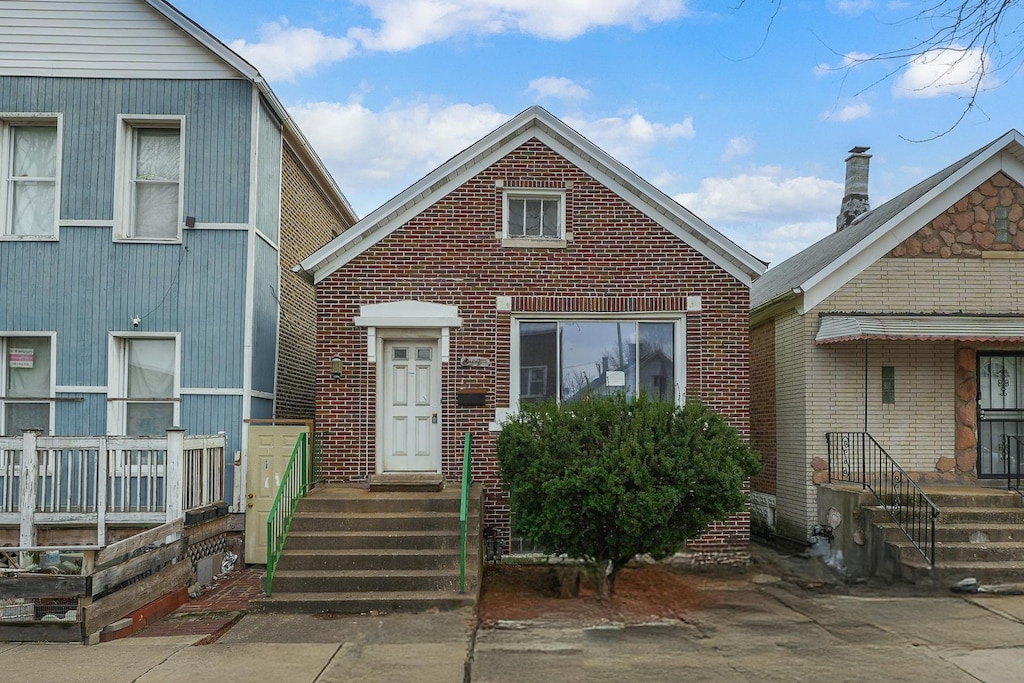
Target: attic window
point(533, 218)
point(1002, 214)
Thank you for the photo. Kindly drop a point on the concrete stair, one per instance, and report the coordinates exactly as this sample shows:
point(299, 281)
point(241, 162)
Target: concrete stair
point(352, 550)
point(979, 534)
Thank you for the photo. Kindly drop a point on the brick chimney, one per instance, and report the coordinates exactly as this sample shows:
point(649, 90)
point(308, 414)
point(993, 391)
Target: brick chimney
point(855, 200)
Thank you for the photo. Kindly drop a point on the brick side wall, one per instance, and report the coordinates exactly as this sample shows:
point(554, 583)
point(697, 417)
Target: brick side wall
point(307, 223)
point(618, 261)
point(762, 404)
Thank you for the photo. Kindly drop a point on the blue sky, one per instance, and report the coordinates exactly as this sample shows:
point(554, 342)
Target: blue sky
point(743, 117)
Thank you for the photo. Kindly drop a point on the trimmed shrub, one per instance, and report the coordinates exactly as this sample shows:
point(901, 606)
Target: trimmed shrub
point(609, 478)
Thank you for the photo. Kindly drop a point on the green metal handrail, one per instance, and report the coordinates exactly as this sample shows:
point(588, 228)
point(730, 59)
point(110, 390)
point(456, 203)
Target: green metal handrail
point(463, 513)
point(282, 512)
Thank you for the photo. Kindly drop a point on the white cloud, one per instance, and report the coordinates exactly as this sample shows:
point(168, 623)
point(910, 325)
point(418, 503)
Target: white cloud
point(764, 193)
point(947, 71)
point(777, 244)
point(407, 24)
point(851, 8)
point(558, 87)
point(284, 52)
point(737, 147)
point(373, 155)
point(850, 112)
point(628, 139)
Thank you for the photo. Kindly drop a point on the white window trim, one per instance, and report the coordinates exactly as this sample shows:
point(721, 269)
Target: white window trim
point(561, 241)
point(53, 368)
point(7, 120)
point(126, 123)
point(680, 344)
point(117, 380)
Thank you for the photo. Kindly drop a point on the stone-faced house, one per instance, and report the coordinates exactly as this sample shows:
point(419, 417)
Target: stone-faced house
point(528, 266)
point(905, 325)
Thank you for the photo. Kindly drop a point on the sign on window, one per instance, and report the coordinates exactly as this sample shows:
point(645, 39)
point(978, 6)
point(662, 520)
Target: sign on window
point(20, 358)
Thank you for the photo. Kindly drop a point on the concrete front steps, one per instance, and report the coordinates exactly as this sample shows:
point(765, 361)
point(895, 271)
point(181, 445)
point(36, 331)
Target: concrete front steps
point(979, 534)
point(351, 550)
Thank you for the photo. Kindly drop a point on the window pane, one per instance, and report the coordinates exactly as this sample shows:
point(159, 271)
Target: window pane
point(516, 208)
point(156, 210)
point(28, 367)
point(532, 219)
point(150, 368)
point(423, 353)
point(657, 360)
point(19, 416)
point(592, 350)
point(34, 151)
point(550, 218)
point(156, 154)
point(538, 355)
point(32, 210)
point(149, 419)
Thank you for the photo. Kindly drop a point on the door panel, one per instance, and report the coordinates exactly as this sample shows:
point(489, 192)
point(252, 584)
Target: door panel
point(411, 406)
point(269, 450)
point(1000, 412)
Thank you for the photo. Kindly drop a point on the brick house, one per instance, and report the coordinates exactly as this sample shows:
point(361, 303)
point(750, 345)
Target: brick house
point(906, 325)
point(526, 267)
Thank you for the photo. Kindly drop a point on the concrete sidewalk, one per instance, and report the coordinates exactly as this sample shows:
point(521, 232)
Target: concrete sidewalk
point(774, 631)
point(281, 648)
point(776, 625)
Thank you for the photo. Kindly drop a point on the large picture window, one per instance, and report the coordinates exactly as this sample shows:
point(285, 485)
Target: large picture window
point(568, 360)
point(30, 162)
point(27, 383)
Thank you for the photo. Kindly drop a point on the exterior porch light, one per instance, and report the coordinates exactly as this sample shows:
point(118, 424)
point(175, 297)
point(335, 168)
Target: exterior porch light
point(336, 367)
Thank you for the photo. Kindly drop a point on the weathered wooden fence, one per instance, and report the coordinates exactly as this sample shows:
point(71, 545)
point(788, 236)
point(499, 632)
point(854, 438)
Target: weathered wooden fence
point(96, 481)
point(111, 582)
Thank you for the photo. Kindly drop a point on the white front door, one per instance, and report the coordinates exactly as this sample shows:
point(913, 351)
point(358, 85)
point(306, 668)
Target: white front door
point(410, 399)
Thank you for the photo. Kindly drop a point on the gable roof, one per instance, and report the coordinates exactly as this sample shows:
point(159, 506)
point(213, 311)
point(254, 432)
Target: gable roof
point(139, 39)
point(820, 269)
point(534, 122)
point(292, 134)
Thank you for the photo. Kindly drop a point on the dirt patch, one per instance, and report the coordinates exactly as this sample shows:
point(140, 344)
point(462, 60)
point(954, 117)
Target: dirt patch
point(642, 594)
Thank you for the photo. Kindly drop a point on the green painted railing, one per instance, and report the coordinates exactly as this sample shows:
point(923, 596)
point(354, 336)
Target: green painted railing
point(294, 485)
point(464, 511)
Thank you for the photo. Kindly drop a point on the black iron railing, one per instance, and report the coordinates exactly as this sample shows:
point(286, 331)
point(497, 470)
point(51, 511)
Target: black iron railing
point(857, 458)
point(1013, 447)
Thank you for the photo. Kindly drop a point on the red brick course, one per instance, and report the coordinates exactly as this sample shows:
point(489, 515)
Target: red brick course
point(618, 260)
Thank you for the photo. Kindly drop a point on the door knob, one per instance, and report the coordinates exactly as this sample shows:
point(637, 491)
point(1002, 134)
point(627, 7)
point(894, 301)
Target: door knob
point(433, 418)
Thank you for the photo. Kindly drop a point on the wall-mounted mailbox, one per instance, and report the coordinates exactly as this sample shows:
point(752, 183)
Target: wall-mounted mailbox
point(471, 397)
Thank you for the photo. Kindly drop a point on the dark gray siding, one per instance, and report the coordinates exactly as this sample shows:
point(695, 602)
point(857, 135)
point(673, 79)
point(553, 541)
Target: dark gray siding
point(265, 317)
point(218, 124)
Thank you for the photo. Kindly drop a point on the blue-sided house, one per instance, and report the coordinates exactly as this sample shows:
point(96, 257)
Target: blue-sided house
point(154, 195)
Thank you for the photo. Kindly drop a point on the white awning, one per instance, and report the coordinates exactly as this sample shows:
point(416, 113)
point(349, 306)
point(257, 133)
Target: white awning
point(976, 328)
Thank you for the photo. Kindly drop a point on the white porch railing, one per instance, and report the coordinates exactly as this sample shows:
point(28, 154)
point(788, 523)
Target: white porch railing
point(101, 480)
